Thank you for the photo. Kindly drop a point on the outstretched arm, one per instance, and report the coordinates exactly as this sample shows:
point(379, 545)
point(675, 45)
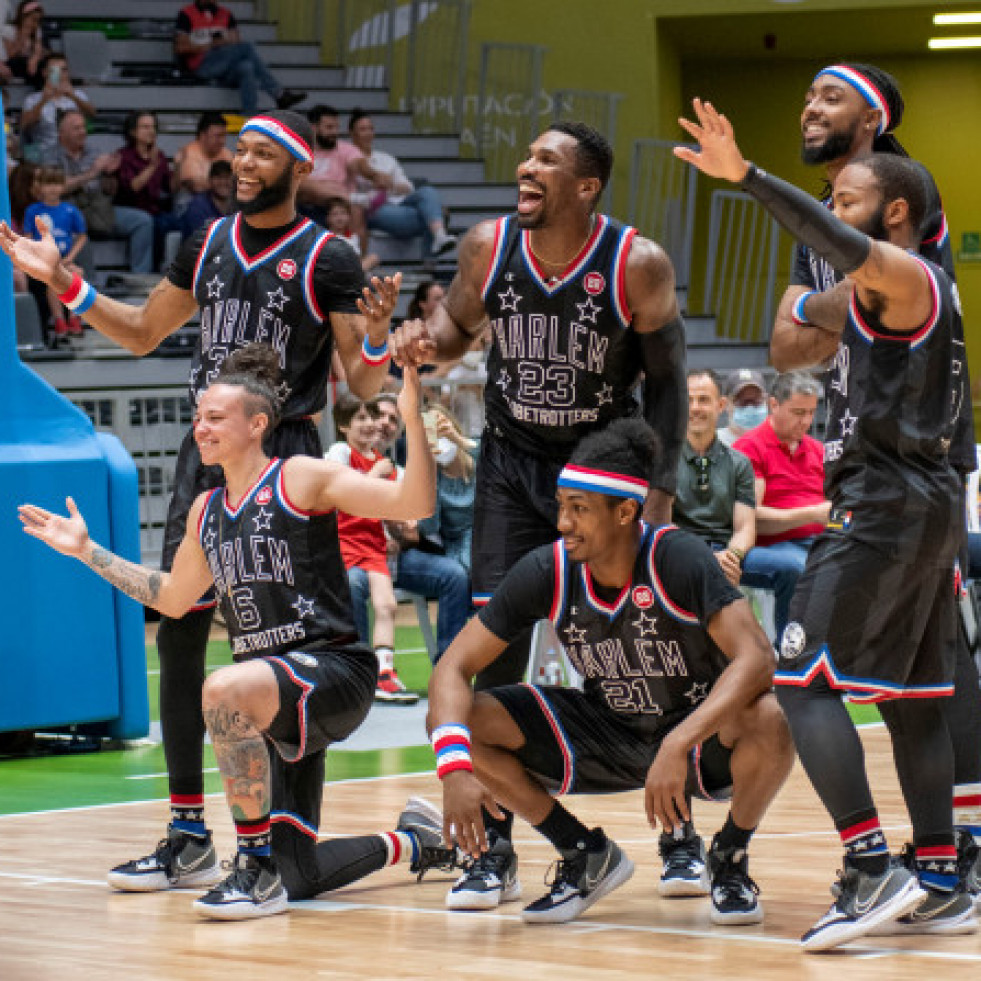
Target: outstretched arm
point(173, 594)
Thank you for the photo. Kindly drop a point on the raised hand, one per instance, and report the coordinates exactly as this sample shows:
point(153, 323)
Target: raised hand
point(378, 303)
point(40, 259)
point(70, 535)
point(718, 155)
point(412, 344)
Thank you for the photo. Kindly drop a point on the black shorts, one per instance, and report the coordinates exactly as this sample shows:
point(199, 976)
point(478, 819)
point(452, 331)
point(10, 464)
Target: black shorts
point(514, 511)
point(874, 627)
point(292, 437)
point(574, 744)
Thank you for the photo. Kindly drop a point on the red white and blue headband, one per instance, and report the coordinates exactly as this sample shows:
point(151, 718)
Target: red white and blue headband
point(283, 135)
point(604, 482)
point(865, 88)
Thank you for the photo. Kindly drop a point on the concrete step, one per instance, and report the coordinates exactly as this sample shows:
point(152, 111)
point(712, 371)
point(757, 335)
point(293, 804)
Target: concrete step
point(444, 170)
point(728, 355)
point(462, 218)
point(502, 196)
point(149, 51)
point(137, 9)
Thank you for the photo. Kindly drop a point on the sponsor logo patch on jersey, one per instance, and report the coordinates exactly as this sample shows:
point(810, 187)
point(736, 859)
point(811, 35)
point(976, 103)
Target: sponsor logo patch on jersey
point(264, 496)
point(286, 268)
point(643, 597)
point(593, 283)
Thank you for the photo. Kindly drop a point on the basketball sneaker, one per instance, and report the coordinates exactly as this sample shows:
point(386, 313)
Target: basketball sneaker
point(489, 880)
point(253, 889)
point(581, 878)
point(862, 902)
point(941, 912)
point(424, 820)
point(969, 865)
point(179, 861)
point(389, 688)
point(685, 872)
point(735, 897)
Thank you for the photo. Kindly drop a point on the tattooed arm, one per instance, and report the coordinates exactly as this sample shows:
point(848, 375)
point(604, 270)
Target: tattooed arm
point(173, 594)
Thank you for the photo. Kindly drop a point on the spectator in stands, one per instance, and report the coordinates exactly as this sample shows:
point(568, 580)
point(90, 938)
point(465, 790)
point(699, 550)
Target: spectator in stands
point(144, 176)
point(208, 45)
point(340, 218)
point(22, 183)
point(716, 496)
point(85, 171)
point(192, 162)
point(67, 227)
point(428, 573)
point(791, 509)
point(42, 110)
point(364, 546)
point(23, 45)
point(747, 404)
point(213, 203)
point(424, 301)
point(397, 207)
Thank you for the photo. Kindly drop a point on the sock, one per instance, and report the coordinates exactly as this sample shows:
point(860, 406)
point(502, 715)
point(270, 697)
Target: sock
point(386, 658)
point(864, 842)
point(567, 832)
point(732, 837)
point(936, 862)
point(187, 814)
point(254, 837)
point(402, 847)
point(967, 809)
point(502, 826)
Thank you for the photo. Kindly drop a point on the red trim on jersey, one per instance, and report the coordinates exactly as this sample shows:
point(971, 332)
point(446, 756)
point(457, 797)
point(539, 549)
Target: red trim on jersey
point(247, 262)
point(295, 821)
point(565, 749)
point(290, 506)
point(558, 588)
point(204, 510)
point(913, 338)
point(205, 245)
point(500, 233)
point(234, 512)
point(308, 292)
point(666, 602)
point(301, 708)
point(551, 285)
point(620, 276)
point(610, 609)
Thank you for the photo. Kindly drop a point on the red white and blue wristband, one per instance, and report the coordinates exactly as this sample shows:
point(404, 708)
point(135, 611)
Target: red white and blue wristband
point(374, 355)
point(451, 743)
point(797, 314)
point(79, 296)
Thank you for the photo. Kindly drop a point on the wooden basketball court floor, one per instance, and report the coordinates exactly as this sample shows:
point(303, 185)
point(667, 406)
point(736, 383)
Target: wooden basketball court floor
point(58, 918)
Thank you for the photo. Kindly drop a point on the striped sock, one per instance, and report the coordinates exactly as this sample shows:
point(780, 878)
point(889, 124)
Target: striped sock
point(402, 846)
point(254, 837)
point(187, 814)
point(936, 866)
point(967, 809)
point(865, 843)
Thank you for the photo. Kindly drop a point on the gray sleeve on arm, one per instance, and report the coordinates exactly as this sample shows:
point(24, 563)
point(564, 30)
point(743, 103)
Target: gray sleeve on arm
point(809, 221)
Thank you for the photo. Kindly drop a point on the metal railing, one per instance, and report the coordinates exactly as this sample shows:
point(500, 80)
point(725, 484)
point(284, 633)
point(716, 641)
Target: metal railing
point(596, 109)
point(740, 277)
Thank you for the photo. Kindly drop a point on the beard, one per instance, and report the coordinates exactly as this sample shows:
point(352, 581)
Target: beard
point(271, 196)
point(836, 145)
point(875, 227)
point(325, 142)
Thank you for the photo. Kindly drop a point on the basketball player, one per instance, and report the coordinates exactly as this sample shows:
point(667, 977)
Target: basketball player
point(851, 110)
point(676, 700)
point(262, 274)
point(268, 542)
point(580, 307)
point(874, 612)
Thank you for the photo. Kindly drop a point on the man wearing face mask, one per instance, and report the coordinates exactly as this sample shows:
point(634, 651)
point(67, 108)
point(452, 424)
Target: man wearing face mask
point(746, 393)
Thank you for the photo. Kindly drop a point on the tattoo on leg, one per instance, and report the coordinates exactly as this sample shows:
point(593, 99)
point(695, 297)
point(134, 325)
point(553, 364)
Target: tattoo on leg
point(243, 760)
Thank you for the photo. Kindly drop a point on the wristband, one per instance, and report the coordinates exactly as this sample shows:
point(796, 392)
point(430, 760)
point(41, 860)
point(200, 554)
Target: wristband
point(797, 314)
point(374, 355)
point(79, 296)
point(451, 743)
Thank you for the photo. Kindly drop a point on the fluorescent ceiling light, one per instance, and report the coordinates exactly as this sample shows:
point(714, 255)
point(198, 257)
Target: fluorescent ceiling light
point(947, 20)
point(948, 43)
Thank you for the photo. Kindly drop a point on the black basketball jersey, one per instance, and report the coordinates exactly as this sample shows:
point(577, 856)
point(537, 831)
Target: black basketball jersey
point(267, 298)
point(893, 403)
point(278, 572)
point(564, 359)
point(646, 653)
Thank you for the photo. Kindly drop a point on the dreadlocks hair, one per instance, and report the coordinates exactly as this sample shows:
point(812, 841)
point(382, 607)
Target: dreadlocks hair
point(255, 368)
point(594, 155)
point(886, 142)
point(626, 446)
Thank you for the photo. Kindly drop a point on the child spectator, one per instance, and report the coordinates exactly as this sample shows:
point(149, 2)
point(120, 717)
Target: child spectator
point(363, 541)
point(340, 221)
point(65, 223)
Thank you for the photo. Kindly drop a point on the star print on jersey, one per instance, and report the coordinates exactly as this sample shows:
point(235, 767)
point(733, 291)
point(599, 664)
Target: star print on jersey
point(503, 380)
point(303, 607)
point(509, 300)
point(605, 395)
point(218, 355)
point(645, 624)
point(215, 286)
point(262, 520)
point(588, 310)
point(574, 634)
point(697, 693)
point(277, 299)
point(848, 423)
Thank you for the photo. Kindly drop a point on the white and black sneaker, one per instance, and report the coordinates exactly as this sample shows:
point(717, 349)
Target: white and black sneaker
point(735, 897)
point(862, 902)
point(969, 865)
point(423, 819)
point(489, 880)
point(685, 872)
point(581, 878)
point(180, 861)
point(941, 912)
point(253, 889)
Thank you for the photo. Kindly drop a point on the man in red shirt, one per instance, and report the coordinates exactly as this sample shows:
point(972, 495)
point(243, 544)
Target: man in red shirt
point(791, 509)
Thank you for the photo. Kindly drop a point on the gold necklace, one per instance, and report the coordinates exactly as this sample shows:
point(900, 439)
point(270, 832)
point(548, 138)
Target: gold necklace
point(563, 262)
